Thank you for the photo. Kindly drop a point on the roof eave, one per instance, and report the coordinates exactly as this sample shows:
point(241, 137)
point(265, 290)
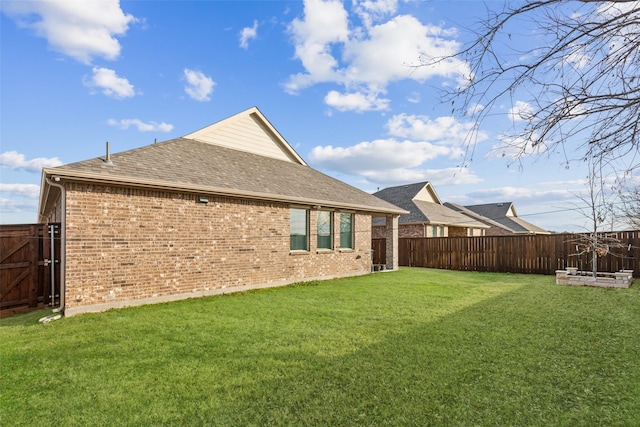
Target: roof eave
point(448, 224)
point(44, 195)
point(220, 191)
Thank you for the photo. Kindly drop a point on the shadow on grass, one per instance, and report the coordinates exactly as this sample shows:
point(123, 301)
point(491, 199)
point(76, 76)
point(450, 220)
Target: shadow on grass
point(26, 319)
point(516, 359)
point(525, 352)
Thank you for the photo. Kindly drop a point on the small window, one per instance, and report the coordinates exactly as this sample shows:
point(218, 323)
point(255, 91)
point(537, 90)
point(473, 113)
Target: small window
point(346, 231)
point(299, 230)
point(325, 230)
point(434, 231)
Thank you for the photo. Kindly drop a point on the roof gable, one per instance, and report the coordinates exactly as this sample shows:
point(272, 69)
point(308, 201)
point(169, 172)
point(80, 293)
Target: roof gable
point(248, 131)
point(190, 165)
point(424, 206)
point(428, 194)
point(505, 216)
point(493, 210)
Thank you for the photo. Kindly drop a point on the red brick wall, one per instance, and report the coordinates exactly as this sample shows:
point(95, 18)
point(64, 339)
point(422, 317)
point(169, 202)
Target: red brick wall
point(379, 232)
point(404, 231)
point(458, 232)
point(413, 230)
point(128, 244)
point(497, 231)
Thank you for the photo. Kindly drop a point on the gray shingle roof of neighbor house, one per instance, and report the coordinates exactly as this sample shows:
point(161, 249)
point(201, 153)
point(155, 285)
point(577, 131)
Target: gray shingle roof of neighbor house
point(421, 211)
point(192, 165)
point(496, 214)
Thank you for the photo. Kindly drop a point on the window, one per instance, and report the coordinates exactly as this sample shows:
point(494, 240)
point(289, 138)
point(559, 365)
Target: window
point(325, 230)
point(299, 230)
point(346, 231)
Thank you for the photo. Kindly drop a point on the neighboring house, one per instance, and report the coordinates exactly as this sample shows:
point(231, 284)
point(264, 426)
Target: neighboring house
point(501, 218)
point(427, 216)
point(229, 207)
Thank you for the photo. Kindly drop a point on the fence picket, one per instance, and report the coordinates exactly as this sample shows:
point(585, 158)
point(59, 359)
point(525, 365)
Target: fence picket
point(531, 254)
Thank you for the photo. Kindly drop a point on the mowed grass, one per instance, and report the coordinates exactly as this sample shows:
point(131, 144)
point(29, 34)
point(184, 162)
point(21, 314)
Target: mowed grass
point(413, 347)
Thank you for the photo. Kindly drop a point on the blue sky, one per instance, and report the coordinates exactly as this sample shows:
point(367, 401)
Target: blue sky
point(338, 80)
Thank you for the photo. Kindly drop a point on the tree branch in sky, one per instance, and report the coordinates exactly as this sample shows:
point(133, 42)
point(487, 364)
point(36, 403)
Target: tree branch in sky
point(573, 89)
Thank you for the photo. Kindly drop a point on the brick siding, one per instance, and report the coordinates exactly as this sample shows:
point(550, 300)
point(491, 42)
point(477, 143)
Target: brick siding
point(125, 244)
point(458, 232)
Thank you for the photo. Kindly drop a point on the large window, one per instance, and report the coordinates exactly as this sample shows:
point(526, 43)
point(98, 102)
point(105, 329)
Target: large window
point(325, 230)
point(299, 230)
point(346, 231)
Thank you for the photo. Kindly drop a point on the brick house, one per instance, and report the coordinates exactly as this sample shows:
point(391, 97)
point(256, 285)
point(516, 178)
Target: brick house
point(230, 207)
point(426, 216)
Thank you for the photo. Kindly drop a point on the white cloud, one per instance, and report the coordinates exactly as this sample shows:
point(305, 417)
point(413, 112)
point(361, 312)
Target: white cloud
point(15, 160)
point(325, 23)
point(374, 10)
point(393, 51)
point(199, 87)
point(140, 125)
point(543, 191)
point(358, 102)
point(111, 84)
point(389, 162)
point(443, 130)
point(446, 176)
point(376, 155)
point(248, 33)
point(513, 148)
point(27, 190)
point(475, 109)
point(364, 60)
point(79, 29)
point(578, 57)
point(521, 111)
point(414, 97)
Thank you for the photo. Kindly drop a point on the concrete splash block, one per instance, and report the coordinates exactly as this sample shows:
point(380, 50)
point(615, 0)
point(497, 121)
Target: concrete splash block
point(572, 277)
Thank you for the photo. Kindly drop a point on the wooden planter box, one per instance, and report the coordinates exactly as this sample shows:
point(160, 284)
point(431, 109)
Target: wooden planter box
point(572, 277)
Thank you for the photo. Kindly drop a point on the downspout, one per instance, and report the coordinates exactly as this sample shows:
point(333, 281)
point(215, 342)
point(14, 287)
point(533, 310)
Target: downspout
point(63, 239)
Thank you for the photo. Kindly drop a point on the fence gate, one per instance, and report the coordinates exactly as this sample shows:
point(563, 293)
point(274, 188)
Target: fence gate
point(29, 267)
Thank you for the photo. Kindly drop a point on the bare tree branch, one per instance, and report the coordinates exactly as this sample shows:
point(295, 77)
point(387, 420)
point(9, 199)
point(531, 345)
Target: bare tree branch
point(582, 85)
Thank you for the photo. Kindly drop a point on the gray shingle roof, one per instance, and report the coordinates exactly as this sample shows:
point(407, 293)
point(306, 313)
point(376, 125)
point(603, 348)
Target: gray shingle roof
point(187, 164)
point(497, 213)
point(422, 211)
point(402, 196)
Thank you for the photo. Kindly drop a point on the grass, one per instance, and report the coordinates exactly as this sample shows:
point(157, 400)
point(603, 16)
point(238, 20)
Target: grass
point(412, 347)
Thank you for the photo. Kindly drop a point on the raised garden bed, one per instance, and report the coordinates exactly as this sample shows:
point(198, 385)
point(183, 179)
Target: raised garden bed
point(572, 277)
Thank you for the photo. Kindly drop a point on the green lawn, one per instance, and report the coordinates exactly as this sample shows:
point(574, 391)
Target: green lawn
point(412, 347)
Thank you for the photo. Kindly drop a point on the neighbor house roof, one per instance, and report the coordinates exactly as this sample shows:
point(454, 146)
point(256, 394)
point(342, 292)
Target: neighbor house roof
point(200, 163)
point(424, 206)
point(501, 215)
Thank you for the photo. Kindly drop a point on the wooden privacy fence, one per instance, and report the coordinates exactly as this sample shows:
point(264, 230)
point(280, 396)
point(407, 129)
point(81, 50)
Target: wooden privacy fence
point(379, 249)
point(531, 254)
point(26, 254)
